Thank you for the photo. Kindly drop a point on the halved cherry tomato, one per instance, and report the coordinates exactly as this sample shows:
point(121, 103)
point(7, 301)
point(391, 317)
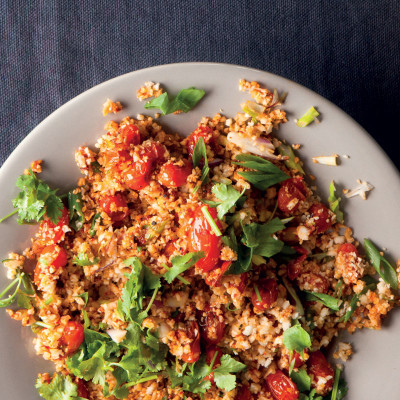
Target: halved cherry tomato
point(51, 233)
point(322, 219)
point(348, 248)
point(282, 387)
point(291, 193)
point(130, 134)
point(202, 238)
point(268, 290)
point(114, 206)
point(213, 278)
point(298, 359)
point(192, 351)
point(212, 326)
point(315, 281)
point(170, 248)
point(118, 158)
point(244, 280)
point(319, 367)
point(207, 134)
point(173, 176)
point(51, 257)
point(295, 266)
point(244, 393)
point(73, 336)
point(211, 352)
point(82, 389)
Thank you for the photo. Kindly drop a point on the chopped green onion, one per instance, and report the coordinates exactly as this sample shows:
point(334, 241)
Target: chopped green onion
point(307, 118)
point(257, 293)
point(335, 384)
point(49, 301)
point(229, 308)
point(257, 260)
point(8, 216)
point(211, 221)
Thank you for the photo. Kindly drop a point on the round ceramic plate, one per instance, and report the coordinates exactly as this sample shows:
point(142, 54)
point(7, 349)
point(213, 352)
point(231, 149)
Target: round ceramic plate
point(373, 372)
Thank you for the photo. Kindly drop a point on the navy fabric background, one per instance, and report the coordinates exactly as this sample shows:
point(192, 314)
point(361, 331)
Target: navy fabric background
point(347, 51)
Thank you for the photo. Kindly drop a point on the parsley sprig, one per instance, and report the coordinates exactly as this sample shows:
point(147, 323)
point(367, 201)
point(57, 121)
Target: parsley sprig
point(60, 388)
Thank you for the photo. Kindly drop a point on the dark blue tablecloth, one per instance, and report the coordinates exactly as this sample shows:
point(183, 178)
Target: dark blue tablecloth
point(346, 50)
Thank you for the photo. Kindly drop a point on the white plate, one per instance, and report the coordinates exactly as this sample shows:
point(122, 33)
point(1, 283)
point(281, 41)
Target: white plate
point(374, 371)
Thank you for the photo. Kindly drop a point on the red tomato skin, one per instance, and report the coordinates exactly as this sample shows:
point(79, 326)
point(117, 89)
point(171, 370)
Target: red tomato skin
point(298, 360)
point(282, 387)
point(195, 351)
point(244, 393)
point(319, 367)
point(51, 233)
point(290, 195)
point(202, 238)
point(244, 280)
point(173, 176)
point(82, 389)
point(114, 206)
point(207, 134)
point(117, 158)
point(214, 276)
point(130, 135)
point(348, 248)
point(73, 336)
point(295, 267)
point(55, 256)
point(268, 290)
point(212, 327)
point(321, 216)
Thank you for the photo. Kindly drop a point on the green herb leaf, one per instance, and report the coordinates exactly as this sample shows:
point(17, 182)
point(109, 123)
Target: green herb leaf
point(381, 265)
point(83, 260)
point(93, 227)
point(292, 162)
point(228, 196)
point(199, 154)
point(334, 202)
point(328, 301)
point(307, 118)
point(296, 339)
point(76, 218)
point(181, 264)
point(84, 296)
point(265, 173)
point(223, 375)
point(302, 380)
point(184, 101)
point(35, 200)
point(60, 388)
point(14, 285)
point(292, 292)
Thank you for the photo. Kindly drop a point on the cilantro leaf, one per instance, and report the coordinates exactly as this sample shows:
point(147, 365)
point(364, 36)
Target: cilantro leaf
point(83, 260)
point(265, 173)
point(302, 380)
point(328, 301)
point(185, 100)
point(334, 202)
point(24, 297)
point(228, 196)
point(60, 388)
point(36, 199)
point(296, 339)
point(292, 162)
point(381, 265)
point(181, 264)
point(223, 375)
point(76, 218)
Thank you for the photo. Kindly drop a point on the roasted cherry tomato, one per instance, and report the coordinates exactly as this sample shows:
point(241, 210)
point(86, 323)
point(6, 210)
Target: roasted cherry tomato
point(191, 351)
point(314, 282)
point(295, 266)
point(114, 206)
point(348, 248)
point(244, 393)
point(207, 134)
point(137, 176)
point(321, 216)
point(51, 233)
point(202, 238)
point(319, 367)
point(73, 336)
point(53, 255)
point(117, 158)
point(130, 135)
point(282, 387)
point(170, 248)
point(82, 389)
point(173, 176)
point(298, 359)
point(212, 325)
point(291, 193)
point(213, 278)
point(244, 280)
point(268, 290)
point(211, 352)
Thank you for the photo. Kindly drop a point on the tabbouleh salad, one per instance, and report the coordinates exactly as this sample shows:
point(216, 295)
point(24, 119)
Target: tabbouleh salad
point(193, 267)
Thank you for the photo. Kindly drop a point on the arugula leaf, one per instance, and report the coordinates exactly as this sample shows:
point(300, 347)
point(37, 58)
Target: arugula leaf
point(35, 200)
point(228, 196)
point(328, 301)
point(181, 264)
point(381, 265)
point(302, 380)
point(184, 101)
point(76, 217)
point(83, 260)
point(92, 230)
point(292, 162)
point(60, 388)
point(265, 173)
point(334, 202)
point(296, 339)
